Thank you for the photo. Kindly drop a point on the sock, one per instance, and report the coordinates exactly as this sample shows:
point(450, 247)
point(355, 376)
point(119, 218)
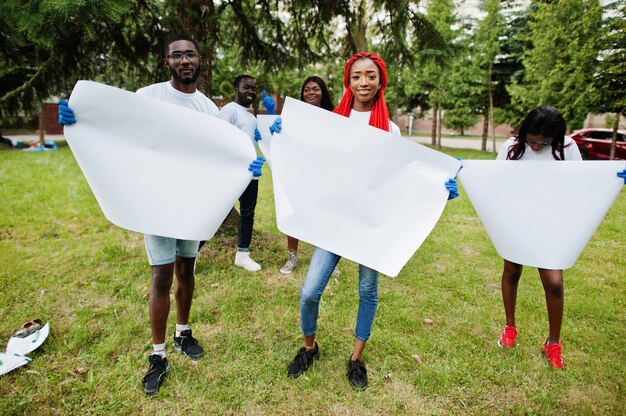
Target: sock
point(180, 328)
point(243, 249)
point(159, 349)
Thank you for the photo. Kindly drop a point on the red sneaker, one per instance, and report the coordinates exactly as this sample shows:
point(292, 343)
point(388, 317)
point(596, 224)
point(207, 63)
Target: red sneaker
point(553, 352)
point(507, 338)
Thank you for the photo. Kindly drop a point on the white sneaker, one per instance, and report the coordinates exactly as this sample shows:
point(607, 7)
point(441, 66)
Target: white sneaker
point(291, 264)
point(242, 259)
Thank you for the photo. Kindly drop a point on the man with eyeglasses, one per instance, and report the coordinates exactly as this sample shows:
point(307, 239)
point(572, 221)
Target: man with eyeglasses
point(169, 256)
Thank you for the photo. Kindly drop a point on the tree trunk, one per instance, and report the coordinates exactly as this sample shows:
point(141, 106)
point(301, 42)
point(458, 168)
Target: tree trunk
point(439, 128)
point(199, 19)
point(230, 225)
point(433, 133)
point(493, 124)
point(483, 143)
point(359, 34)
point(491, 116)
point(42, 123)
point(614, 136)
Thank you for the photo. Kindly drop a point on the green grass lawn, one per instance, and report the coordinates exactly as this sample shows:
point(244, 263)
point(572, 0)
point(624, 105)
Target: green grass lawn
point(61, 260)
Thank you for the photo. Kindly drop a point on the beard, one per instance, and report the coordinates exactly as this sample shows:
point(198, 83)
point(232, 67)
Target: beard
point(186, 81)
point(243, 99)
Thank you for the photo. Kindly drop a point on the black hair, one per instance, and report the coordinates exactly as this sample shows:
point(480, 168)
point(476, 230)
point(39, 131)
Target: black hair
point(177, 37)
point(239, 78)
point(546, 121)
point(327, 101)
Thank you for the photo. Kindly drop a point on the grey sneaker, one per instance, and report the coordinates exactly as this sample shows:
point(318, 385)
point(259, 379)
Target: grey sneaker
point(291, 264)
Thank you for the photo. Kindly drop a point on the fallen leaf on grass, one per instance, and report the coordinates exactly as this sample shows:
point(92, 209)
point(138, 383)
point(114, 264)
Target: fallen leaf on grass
point(428, 321)
point(81, 370)
point(416, 358)
point(494, 286)
point(215, 285)
point(387, 378)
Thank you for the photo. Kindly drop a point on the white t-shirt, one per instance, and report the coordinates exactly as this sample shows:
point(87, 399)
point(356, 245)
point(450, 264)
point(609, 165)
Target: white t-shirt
point(195, 101)
point(364, 117)
point(570, 151)
point(240, 117)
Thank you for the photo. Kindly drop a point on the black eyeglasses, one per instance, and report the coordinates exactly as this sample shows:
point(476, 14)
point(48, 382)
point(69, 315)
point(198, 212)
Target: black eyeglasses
point(178, 56)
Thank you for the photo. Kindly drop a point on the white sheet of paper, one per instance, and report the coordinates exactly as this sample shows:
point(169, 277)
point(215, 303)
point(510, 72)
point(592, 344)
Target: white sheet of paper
point(541, 214)
point(9, 362)
point(263, 123)
point(156, 167)
point(23, 346)
point(355, 190)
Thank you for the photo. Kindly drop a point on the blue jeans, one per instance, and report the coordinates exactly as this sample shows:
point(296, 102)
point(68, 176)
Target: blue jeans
point(320, 269)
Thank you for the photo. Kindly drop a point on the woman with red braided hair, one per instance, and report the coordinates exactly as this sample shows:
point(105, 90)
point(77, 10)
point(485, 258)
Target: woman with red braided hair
point(365, 79)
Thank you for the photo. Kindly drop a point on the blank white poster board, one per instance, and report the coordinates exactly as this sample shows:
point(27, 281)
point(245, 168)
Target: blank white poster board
point(155, 167)
point(355, 190)
point(541, 214)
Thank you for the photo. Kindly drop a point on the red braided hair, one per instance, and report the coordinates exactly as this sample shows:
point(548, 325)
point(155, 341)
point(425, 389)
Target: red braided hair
point(379, 116)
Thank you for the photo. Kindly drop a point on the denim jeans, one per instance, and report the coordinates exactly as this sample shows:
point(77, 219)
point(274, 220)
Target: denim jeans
point(247, 204)
point(320, 269)
point(163, 250)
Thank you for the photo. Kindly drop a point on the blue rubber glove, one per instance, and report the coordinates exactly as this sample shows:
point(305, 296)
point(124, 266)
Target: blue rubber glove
point(66, 114)
point(257, 135)
point(453, 188)
point(256, 165)
point(276, 126)
point(622, 175)
point(269, 103)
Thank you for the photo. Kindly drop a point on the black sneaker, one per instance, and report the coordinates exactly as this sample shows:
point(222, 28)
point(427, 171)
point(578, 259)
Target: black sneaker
point(156, 374)
point(357, 374)
point(188, 345)
point(302, 361)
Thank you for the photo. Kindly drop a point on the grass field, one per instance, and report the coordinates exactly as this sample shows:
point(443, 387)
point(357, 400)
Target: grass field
point(61, 260)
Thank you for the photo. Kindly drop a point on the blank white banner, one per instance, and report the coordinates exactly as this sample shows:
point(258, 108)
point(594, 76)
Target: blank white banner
point(156, 167)
point(541, 214)
point(356, 190)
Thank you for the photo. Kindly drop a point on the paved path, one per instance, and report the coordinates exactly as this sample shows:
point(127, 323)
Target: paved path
point(452, 142)
point(456, 143)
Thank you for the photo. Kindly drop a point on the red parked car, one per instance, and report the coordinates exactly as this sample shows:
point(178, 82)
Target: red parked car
point(596, 143)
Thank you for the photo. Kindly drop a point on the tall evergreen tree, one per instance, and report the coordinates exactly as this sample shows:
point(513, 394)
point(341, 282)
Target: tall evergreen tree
point(560, 67)
point(46, 46)
point(610, 79)
point(486, 50)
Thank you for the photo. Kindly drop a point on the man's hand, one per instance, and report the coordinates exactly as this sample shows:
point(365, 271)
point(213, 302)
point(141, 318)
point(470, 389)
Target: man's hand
point(66, 114)
point(269, 103)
